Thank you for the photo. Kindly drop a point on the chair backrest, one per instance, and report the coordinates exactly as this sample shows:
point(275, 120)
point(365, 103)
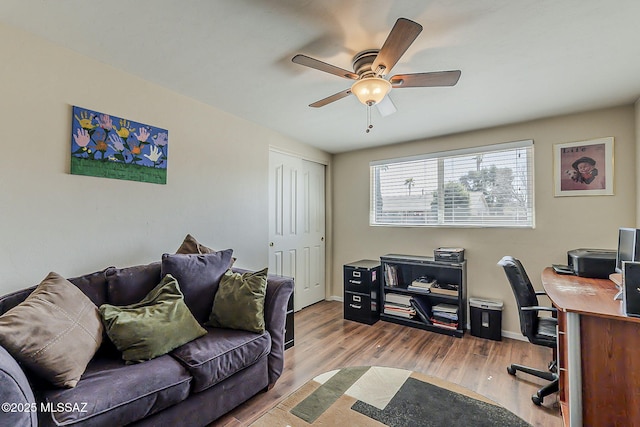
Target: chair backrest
point(524, 293)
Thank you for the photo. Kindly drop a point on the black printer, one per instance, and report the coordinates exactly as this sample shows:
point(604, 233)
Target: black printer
point(595, 263)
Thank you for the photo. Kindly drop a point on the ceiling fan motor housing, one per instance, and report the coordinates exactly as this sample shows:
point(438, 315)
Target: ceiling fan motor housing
point(362, 62)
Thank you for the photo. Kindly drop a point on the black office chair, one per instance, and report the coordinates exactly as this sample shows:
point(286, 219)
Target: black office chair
point(538, 330)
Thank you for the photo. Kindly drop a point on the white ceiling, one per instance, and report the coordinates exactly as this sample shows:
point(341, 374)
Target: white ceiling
point(520, 59)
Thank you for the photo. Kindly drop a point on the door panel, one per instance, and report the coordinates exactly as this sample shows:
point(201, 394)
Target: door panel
point(296, 225)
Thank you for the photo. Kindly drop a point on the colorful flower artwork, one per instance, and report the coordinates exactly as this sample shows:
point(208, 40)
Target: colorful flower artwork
point(111, 147)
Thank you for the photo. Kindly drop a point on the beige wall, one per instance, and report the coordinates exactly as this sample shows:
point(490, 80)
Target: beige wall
point(562, 223)
point(51, 220)
point(217, 183)
point(637, 129)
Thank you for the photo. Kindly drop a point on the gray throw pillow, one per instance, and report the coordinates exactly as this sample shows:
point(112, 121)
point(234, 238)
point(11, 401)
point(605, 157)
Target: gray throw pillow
point(154, 326)
point(199, 276)
point(191, 246)
point(239, 302)
point(54, 332)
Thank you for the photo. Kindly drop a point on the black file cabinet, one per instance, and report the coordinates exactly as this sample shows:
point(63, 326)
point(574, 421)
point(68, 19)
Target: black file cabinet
point(288, 331)
point(362, 291)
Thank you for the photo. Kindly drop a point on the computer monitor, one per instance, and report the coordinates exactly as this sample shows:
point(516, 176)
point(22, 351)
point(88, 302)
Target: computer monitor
point(628, 246)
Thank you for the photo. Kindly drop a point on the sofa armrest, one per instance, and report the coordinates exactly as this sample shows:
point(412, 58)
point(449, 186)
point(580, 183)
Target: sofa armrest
point(279, 290)
point(16, 392)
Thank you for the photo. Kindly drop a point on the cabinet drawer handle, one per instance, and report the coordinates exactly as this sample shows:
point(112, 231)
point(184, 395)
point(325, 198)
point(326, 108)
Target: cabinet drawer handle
point(356, 282)
point(355, 306)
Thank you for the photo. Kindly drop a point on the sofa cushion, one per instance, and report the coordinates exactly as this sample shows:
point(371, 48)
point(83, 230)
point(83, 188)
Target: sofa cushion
point(94, 285)
point(191, 246)
point(199, 276)
point(221, 353)
point(55, 331)
point(129, 285)
point(112, 393)
point(239, 302)
point(154, 326)
point(15, 388)
point(7, 302)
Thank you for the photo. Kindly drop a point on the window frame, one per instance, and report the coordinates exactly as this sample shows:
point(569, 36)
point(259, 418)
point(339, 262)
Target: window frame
point(441, 157)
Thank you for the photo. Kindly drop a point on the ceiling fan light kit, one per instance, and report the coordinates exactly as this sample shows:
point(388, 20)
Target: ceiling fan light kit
point(370, 66)
point(371, 90)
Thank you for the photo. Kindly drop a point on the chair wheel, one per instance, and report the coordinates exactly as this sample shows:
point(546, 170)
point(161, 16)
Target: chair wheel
point(510, 370)
point(536, 400)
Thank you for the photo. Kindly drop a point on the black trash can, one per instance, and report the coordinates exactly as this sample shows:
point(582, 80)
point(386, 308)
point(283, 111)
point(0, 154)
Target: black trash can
point(486, 318)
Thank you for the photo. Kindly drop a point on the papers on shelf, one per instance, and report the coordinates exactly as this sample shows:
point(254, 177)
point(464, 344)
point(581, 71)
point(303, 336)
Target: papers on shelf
point(398, 299)
point(444, 289)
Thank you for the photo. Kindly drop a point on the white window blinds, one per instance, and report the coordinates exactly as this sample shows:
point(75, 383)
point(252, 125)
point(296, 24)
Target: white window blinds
point(488, 186)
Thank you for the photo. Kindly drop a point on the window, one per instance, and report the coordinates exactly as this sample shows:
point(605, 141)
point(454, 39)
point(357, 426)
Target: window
point(480, 187)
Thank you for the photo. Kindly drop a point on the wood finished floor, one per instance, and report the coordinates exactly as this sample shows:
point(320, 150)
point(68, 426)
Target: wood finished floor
point(325, 341)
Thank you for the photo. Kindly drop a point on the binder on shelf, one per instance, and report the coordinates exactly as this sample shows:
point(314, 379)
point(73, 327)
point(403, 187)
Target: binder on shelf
point(422, 310)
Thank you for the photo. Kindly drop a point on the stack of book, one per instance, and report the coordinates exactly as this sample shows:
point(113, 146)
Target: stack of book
point(391, 275)
point(398, 305)
point(421, 284)
point(445, 316)
point(444, 289)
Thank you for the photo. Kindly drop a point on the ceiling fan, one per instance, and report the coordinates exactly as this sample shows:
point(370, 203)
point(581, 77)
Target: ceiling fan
point(371, 66)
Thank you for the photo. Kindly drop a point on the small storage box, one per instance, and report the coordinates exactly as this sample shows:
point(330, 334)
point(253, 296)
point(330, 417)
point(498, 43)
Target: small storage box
point(449, 254)
point(486, 318)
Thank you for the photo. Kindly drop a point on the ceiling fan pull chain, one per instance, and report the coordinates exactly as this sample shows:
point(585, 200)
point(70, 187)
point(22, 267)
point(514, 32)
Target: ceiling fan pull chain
point(369, 125)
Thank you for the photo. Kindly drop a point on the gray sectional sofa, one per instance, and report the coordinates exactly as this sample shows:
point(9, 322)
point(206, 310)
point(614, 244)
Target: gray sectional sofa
point(192, 385)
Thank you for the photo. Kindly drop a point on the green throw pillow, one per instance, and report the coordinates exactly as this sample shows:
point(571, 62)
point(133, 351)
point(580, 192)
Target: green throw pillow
point(239, 302)
point(154, 326)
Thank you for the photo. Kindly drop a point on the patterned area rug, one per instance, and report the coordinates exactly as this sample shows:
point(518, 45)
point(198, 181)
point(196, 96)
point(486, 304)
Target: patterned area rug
point(378, 396)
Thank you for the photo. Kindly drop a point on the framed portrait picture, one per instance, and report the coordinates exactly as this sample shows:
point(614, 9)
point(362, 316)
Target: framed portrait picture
point(584, 168)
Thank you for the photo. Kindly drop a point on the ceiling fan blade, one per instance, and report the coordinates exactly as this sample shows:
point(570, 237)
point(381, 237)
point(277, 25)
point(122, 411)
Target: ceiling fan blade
point(386, 107)
point(323, 66)
point(403, 33)
point(438, 78)
point(332, 98)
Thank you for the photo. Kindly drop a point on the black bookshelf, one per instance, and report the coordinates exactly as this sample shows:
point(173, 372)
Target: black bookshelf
point(399, 271)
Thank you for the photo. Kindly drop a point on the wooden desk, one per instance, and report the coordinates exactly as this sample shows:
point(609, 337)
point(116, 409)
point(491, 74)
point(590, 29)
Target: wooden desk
point(598, 352)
